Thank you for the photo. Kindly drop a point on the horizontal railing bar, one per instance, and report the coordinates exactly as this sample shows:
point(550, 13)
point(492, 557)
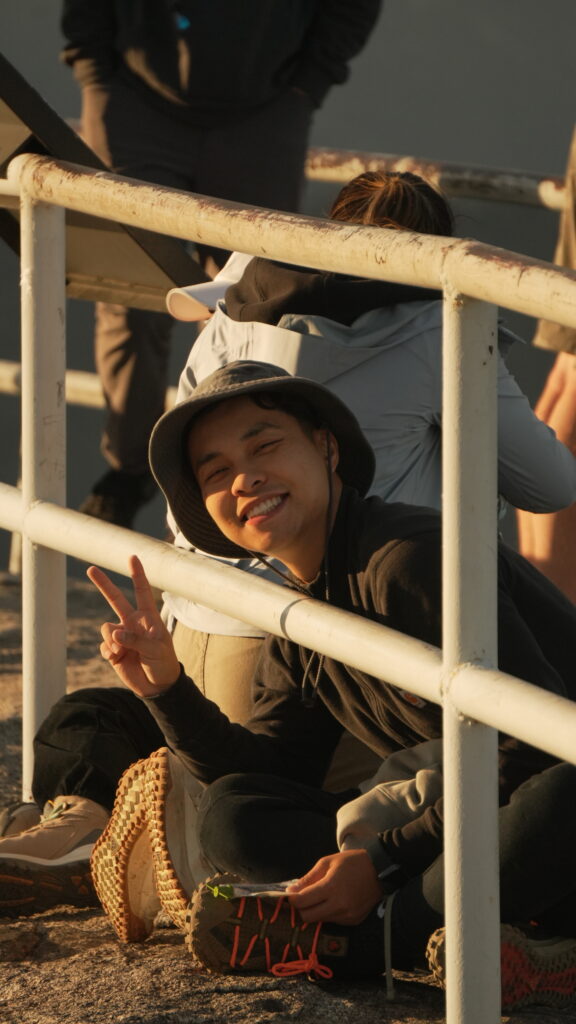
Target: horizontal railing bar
point(82, 387)
point(9, 188)
point(481, 271)
point(272, 607)
point(485, 695)
point(456, 180)
point(516, 707)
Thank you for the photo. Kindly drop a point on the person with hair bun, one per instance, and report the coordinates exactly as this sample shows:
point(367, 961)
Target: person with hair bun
point(394, 199)
point(378, 346)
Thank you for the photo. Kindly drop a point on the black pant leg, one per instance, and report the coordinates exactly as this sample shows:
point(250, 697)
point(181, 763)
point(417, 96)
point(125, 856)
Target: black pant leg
point(88, 740)
point(266, 828)
point(537, 857)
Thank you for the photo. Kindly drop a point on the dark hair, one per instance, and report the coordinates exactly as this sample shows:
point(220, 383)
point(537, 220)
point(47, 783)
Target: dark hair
point(394, 199)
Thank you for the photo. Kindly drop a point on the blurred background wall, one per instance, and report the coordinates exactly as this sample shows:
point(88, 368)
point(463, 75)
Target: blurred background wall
point(489, 83)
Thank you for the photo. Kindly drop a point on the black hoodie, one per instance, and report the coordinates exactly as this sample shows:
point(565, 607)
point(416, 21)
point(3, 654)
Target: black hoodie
point(268, 290)
point(215, 59)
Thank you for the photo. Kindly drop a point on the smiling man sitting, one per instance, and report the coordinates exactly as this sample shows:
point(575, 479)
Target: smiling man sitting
point(259, 461)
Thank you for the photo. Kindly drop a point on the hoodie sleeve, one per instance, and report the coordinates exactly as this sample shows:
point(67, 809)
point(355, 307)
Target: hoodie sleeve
point(283, 737)
point(338, 32)
point(408, 793)
point(536, 471)
point(89, 28)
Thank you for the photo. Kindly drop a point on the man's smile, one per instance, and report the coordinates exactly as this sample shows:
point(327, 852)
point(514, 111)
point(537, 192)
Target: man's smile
point(263, 507)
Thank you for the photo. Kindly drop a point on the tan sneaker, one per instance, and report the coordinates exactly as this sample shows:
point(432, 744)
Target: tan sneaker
point(18, 817)
point(48, 864)
point(148, 858)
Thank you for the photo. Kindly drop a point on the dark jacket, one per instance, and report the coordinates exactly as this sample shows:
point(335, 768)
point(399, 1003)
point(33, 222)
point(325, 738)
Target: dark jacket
point(384, 564)
point(269, 290)
point(219, 58)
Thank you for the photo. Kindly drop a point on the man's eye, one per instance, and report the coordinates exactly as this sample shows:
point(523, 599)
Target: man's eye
point(267, 444)
point(214, 474)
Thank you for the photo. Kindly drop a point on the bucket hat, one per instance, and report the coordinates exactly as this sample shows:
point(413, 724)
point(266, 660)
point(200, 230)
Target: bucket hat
point(168, 444)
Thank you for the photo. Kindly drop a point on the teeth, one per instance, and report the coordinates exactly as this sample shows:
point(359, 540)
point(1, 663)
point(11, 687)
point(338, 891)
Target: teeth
point(263, 507)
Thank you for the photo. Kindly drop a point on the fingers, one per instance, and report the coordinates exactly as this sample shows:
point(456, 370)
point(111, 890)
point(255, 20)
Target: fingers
point(142, 590)
point(315, 874)
point(113, 656)
point(116, 599)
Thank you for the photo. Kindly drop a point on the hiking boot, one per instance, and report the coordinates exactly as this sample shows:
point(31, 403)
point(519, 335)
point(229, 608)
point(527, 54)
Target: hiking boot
point(121, 862)
point(48, 865)
point(18, 817)
point(172, 796)
point(148, 858)
point(236, 928)
point(118, 496)
point(534, 971)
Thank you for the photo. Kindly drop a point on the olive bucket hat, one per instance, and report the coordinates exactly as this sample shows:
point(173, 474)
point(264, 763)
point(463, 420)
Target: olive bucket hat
point(168, 444)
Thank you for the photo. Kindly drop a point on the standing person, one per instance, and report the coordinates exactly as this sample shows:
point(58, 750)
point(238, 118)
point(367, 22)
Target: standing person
point(215, 98)
point(261, 461)
point(549, 541)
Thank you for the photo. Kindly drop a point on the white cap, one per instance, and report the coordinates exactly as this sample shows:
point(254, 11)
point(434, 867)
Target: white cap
point(198, 301)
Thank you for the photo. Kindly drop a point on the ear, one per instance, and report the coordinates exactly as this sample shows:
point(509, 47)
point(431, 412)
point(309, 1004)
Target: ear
point(329, 447)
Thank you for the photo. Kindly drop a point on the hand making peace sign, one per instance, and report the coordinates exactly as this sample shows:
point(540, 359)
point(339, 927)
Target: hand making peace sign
point(138, 646)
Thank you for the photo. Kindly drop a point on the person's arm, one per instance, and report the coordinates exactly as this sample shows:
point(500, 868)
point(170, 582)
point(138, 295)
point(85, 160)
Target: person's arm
point(89, 29)
point(536, 471)
point(337, 33)
point(283, 736)
point(344, 887)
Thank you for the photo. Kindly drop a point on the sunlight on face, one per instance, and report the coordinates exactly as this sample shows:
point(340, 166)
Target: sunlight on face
point(264, 480)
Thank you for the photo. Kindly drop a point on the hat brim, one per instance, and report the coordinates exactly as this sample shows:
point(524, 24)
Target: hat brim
point(169, 457)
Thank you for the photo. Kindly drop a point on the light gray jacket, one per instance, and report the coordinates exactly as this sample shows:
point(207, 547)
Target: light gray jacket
point(387, 367)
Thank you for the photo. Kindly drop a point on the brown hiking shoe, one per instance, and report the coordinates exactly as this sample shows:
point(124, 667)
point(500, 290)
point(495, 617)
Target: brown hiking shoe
point(148, 858)
point(48, 865)
point(121, 862)
point(235, 927)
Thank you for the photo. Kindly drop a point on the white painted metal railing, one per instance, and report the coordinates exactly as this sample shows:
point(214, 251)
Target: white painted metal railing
point(474, 278)
point(456, 180)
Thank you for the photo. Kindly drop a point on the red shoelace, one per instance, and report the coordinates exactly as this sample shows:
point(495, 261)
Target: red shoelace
point(284, 968)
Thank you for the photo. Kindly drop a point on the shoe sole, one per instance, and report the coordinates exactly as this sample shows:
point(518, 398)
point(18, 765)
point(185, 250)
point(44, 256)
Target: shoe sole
point(532, 972)
point(27, 889)
point(159, 785)
point(121, 862)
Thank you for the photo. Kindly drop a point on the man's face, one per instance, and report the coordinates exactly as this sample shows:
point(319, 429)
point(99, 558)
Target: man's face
point(264, 481)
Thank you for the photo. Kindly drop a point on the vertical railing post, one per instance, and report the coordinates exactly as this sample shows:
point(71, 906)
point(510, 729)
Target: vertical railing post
point(469, 503)
point(43, 462)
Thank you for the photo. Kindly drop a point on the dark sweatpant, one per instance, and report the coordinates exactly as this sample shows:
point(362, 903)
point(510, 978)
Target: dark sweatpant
point(257, 159)
point(268, 829)
point(88, 740)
